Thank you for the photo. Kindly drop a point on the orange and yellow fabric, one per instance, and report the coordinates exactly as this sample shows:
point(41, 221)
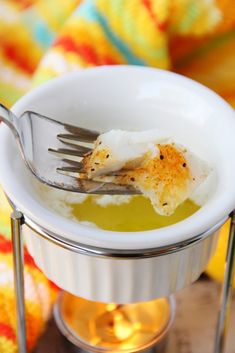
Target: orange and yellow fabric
point(41, 39)
point(40, 294)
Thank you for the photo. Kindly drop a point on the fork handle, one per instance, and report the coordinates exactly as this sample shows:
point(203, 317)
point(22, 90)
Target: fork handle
point(7, 117)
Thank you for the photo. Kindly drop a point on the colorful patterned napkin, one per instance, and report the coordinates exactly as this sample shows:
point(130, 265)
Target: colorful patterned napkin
point(41, 39)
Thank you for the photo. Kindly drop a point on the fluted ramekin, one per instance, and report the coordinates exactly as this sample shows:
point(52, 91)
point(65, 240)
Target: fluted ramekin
point(131, 98)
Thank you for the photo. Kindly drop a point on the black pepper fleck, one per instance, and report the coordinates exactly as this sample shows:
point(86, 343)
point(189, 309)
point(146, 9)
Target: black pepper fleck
point(132, 179)
point(184, 165)
point(165, 204)
point(92, 169)
point(107, 156)
point(161, 157)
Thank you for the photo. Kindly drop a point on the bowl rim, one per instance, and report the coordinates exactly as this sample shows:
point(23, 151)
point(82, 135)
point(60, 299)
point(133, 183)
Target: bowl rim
point(192, 226)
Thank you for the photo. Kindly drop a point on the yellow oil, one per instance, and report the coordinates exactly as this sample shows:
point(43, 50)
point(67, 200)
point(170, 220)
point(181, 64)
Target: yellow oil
point(137, 215)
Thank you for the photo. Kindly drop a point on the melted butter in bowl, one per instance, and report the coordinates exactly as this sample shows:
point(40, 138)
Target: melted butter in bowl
point(133, 216)
point(114, 213)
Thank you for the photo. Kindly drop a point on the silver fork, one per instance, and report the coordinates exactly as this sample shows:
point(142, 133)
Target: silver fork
point(51, 150)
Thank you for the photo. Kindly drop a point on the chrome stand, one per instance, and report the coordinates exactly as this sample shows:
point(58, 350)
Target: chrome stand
point(226, 295)
point(17, 220)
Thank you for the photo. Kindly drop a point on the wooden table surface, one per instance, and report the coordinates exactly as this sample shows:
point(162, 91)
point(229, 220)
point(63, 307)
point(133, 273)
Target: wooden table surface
point(193, 330)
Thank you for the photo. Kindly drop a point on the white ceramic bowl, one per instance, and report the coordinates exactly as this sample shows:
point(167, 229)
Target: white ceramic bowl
point(129, 98)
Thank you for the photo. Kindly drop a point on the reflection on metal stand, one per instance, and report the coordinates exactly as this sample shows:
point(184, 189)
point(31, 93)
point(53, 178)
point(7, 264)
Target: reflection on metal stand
point(17, 220)
point(226, 295)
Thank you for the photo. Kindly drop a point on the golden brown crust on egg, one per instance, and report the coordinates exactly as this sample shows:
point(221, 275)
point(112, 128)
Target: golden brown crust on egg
point(170, 167)
point(95, 161)
point(166, 178)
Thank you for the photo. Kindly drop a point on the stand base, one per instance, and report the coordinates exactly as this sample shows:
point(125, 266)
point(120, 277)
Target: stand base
point(160, 347)
point(98, 327)
point(17, 220)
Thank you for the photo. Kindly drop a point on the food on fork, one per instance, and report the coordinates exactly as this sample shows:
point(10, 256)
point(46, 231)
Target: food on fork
point(163, 170)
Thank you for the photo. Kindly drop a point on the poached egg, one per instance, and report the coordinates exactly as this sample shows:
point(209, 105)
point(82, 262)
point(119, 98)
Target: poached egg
point(163, 170)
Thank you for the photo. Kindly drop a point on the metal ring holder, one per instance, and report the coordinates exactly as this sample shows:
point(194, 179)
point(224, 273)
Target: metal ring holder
point(18, 220)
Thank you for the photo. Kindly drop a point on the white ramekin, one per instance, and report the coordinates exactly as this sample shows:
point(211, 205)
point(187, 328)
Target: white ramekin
point(129, 98)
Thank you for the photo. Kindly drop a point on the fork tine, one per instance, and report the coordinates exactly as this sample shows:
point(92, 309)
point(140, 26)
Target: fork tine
point(78, 167)
point(70, 169)
point(73, 137)
point(80, 170)
point(104, 188)
point(74, 184)
point(73, 145)
point(78, 152)
point(83, 134)
point(73, 163)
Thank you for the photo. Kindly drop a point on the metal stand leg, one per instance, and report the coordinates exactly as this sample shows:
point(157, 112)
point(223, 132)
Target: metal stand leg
point(18, 258)
point(223, 317)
